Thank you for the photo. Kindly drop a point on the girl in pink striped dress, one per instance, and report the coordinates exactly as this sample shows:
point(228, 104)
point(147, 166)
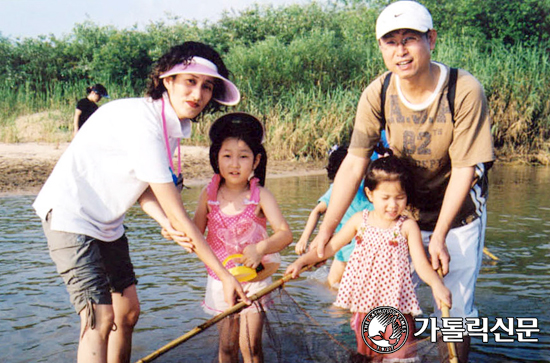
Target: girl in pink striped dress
point(235, 208)
point(378, 272)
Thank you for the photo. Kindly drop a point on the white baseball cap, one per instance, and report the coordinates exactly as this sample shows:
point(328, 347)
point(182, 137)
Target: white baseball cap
point(403, 15)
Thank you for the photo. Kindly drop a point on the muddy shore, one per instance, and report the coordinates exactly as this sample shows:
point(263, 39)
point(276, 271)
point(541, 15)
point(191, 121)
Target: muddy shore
point(24, 167)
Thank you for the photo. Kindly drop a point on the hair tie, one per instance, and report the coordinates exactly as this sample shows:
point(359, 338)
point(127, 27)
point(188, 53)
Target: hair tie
point(333, 149)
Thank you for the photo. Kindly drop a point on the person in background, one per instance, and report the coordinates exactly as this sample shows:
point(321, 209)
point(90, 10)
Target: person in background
point(86, 106)
point(125, 156)
point(359, 203)
point(450, 149)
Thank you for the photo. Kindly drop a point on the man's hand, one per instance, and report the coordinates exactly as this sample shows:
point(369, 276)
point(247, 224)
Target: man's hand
point(320, 241)
point(439, 254)
point(455, 194)
point(347, 181)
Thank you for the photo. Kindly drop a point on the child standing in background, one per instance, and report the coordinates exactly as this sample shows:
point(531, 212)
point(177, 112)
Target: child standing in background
point(234, 207)
point(378, 272)
point(359, 203)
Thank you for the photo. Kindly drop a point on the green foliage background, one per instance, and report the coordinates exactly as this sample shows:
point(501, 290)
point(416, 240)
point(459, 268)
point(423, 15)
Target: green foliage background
point(300, 67)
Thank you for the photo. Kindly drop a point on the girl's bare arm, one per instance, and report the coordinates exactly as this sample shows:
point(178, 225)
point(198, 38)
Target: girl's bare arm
point(201, 211)
point(76, 118)
point(281, 237)
point(422, 266)
point(311, 223)
point(338, 241)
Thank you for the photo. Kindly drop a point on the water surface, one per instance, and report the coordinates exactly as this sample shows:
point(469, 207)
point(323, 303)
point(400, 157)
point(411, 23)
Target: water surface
point(38, 324)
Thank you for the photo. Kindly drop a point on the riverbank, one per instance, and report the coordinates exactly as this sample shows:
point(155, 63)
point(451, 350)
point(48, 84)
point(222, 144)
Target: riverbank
point(24, 167)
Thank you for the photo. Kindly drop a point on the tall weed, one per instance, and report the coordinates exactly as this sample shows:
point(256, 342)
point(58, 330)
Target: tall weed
point(301, 69)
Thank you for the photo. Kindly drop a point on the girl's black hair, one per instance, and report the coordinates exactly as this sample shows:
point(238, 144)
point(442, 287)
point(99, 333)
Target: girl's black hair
point(182, 54)
point(241, 126)
point(335, 159)
point(390, 168)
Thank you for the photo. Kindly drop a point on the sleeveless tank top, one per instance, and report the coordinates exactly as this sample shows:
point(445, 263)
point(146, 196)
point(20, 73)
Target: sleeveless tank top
point(230, 234)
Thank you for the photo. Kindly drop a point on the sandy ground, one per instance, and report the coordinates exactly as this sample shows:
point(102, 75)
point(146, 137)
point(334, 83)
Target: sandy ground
point(24, 167)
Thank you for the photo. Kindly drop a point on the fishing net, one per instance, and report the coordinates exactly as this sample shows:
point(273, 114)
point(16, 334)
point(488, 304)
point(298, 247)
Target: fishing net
point(290, 333)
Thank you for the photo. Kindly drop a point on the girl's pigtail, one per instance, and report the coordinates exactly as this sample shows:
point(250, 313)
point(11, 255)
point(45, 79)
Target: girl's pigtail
point(335, 158)
point(215, 148)
point(261, 170)
point(382, 151)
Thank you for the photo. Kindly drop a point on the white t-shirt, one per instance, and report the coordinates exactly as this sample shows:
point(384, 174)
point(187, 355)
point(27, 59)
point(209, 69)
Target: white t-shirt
point(108, 165)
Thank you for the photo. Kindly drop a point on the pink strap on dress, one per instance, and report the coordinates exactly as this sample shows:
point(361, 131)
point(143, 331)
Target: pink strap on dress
point(398, 224)
point(254, 191)
point(212, 189)
point(214, 186)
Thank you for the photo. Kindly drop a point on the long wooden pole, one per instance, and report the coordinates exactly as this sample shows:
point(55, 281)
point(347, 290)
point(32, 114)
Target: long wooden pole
point(234, 309)
point(488, 253)
point(453, 356)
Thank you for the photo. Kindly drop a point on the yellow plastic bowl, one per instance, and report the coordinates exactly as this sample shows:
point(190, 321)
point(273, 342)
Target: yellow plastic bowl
point(241, 273)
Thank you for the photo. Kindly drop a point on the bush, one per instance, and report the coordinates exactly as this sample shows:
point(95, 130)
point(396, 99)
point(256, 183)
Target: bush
point(300, 67)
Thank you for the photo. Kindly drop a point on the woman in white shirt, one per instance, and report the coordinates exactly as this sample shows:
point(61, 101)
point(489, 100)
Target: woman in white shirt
point(124, 155)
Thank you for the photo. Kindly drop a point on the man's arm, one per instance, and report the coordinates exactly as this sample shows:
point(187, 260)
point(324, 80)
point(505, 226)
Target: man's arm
point(457, 190)
point(345, 186)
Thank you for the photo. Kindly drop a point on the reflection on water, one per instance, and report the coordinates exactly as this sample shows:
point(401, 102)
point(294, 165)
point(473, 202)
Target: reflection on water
point(37, 323)
point(518, 233)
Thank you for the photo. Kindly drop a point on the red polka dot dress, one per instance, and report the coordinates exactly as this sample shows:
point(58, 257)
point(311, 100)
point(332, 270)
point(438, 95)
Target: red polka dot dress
point(378, 272)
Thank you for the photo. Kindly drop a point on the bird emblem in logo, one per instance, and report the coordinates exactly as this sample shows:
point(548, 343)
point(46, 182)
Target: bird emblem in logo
point(385, 329)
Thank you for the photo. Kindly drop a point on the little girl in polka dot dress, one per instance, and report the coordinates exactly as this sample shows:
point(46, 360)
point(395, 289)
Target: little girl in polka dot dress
point(235, 208)
point(378, 272)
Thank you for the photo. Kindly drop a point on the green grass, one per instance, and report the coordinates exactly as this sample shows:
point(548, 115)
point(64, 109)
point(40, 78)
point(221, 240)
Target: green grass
point(307, 93)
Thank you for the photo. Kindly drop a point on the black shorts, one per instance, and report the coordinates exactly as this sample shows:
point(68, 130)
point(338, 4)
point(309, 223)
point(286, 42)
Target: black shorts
point(92, 269)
